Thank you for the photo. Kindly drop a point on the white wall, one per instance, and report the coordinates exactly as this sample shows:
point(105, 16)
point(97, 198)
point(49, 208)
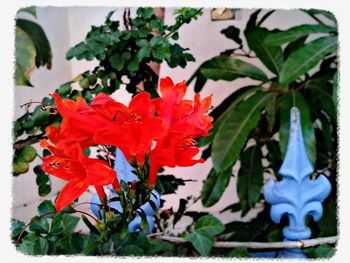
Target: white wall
point(66, 27)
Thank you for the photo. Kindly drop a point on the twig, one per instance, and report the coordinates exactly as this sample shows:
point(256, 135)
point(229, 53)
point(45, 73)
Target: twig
point(259, 245)
point(30, 140)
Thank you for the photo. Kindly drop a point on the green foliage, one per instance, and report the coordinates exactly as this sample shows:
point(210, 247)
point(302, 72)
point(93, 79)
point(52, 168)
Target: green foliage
point(214, 186)
point(206, 228)
point(252, 124)
point(127, 53)
point(32, 48)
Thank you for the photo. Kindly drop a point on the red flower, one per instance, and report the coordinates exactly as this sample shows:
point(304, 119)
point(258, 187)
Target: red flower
point(133, 129)
point(185, 121)
point(69, 163)
point(80, 121)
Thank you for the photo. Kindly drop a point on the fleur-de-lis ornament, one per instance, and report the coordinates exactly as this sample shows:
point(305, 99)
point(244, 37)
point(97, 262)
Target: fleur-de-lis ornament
point(296, 195)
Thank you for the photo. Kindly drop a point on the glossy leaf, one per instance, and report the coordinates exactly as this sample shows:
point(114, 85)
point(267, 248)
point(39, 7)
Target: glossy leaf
point(307, 57)
point(40, 226)
point(214, 187)
point(16, 227)
point(45, 207)
point(234, 132)
point(240, 252)
point(38, 37)
point(294, 33)
point(270, 56)
point(232, 33)
point(20, 166)
point(25, 57)
point(325, 13)
point(227, 105)
point(289, 100)
point(229, 68)
point(209, 225)
point(250, 178)
point(201, 243)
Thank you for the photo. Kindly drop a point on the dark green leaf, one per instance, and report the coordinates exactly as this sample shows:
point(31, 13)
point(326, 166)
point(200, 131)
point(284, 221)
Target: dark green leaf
point(233, 133)
point(229, 68)
point(322, 251)
point(307, 57)
point(209, 226)
point(116, 61)
point(232, 33)
point(200, 82)
point(40, 226)
point(34, 245)
point(37, 35)
point(292, 46)
point(131, 250)
point(240, 252)
point(89, 225)
point(16, 227)
point(270, 56)
point(44, 189)
point(325, 13)
point(294, 33)
point(274, 156)
point(169, 183)
point(65, 89)
point(289, 100)
point(233, 208)
point(180, 211)
point(328, 221)
point(201, 243)
point(69, 223)
point(250, 178)
point(214, 186)
point(46, 207)
point(321, 91)
point(25, 57)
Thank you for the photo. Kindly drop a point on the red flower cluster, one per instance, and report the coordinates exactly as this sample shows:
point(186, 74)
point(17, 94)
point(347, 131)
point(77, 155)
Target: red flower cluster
point(170, 123)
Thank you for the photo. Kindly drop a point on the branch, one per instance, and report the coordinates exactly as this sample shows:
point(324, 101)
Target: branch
point(29, 141)
point(258, 245)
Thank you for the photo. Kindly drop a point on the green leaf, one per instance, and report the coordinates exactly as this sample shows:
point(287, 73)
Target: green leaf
point(289, 100)
point(229, 68)
point(321, 91)
point(37, 35)
point(34, 245)
point(168, 184)
point(250, 178)
point(328, 221)
point(131, 250)
point(302, 60)
point(294, 33)
point(65, 89)
point(46, 207)
point(89, 225)
point(69, 223)
point(233, 133)
point(325, 13)
point(16, 227)
point(116, 61)
point(29, 9)
point(232, 33)
point(201, 243)
point(270, 56)
point(20, 166)
point(322, 251)
point(209, 226)
point(40, 226)
point(240, 252)
point(27, 153)
point(25, 57)
point(214, 186)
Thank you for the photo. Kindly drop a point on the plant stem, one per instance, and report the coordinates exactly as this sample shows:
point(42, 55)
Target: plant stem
point(259, 245)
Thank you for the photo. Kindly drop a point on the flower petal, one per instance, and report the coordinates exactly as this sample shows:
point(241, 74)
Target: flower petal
point(70, 192)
